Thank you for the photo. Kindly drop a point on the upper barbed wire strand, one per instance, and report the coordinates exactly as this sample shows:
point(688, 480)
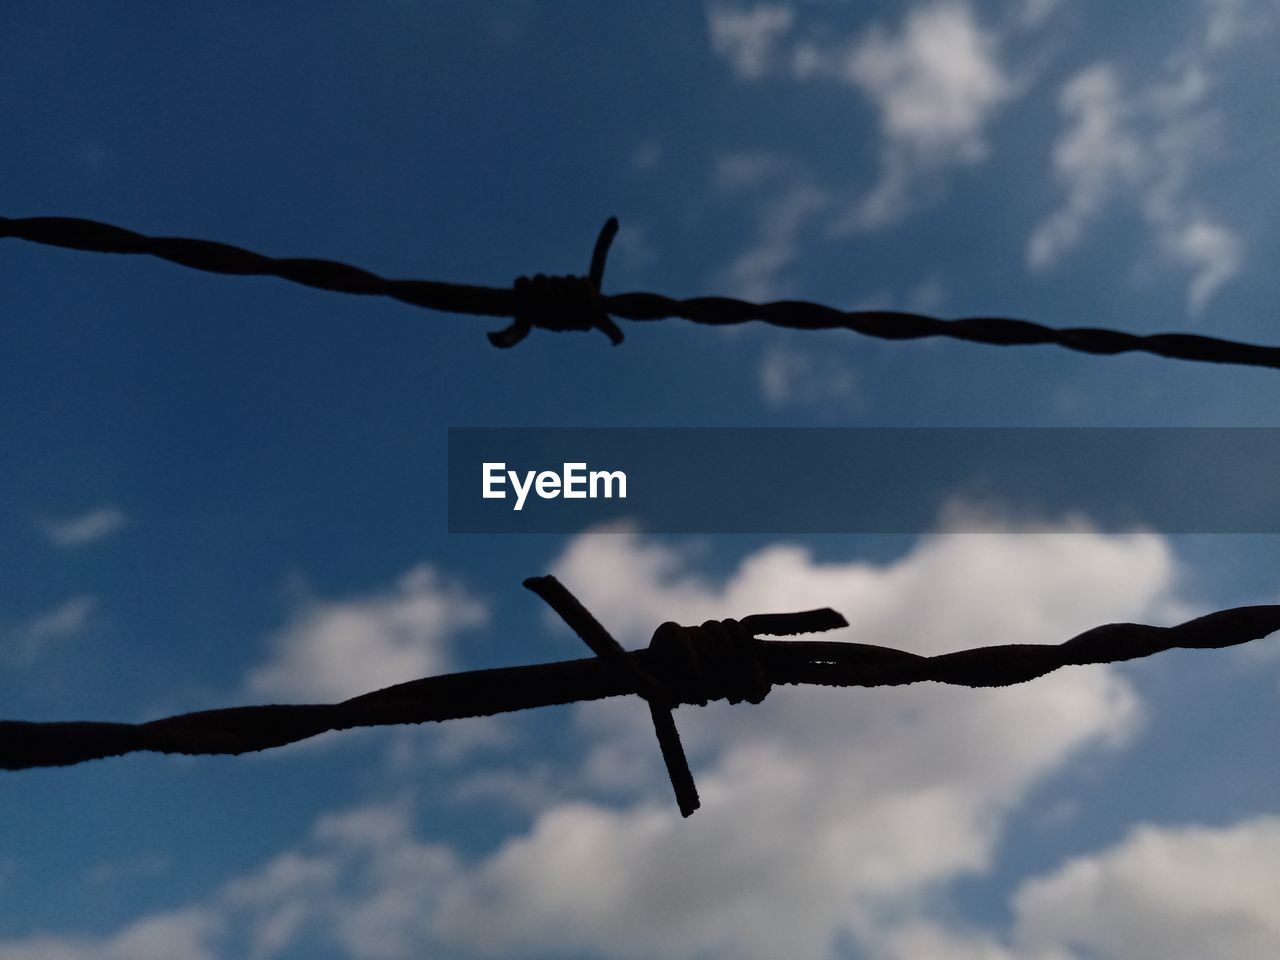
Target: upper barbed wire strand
point(593, 312)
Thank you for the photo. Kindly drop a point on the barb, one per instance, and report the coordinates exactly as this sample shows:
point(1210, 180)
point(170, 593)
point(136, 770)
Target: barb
point(682, 665)
point(564, 303)
point(576, 303)
point(719, 660)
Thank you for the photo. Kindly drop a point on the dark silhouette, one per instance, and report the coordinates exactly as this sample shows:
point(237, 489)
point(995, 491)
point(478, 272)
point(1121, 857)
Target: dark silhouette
point(722, 659)
point(576, 303)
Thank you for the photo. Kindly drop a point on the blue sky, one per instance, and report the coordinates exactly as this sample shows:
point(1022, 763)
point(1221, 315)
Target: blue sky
point(224, 490)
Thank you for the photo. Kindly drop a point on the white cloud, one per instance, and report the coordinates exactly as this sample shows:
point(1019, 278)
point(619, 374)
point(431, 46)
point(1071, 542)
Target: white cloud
point(824, 382)
point(746, 38)
point(1141, 145)
point(30, 639)
point(1213, 253)
point(927, 296)
point(1033, 13)
point(754, 273)
point(332, 650)
point(1096, 157)
point(528, 790)
point(110, 873)
point(745, 172)
point(1164, 893)
point(937, 83)
point(357, 882)
point(85, 528)
point(414, 750)
point(65, 619)
point(1229, 20)
point(179, 933)
point(914, 940)
point(784, 201)
point(362, 881)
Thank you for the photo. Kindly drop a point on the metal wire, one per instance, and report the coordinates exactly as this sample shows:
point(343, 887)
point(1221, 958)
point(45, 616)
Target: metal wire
point(576, 303)
point(706, 672)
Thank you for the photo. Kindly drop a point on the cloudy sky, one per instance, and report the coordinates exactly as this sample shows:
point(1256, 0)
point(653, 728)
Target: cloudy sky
point(221, 491)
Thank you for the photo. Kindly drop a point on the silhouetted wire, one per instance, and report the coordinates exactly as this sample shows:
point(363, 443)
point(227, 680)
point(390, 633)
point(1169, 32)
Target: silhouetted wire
point(720, 660)
point(562, 303)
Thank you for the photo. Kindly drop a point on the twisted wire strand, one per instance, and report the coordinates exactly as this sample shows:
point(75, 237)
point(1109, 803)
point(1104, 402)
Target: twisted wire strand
point(576, 303)
point(238, 730)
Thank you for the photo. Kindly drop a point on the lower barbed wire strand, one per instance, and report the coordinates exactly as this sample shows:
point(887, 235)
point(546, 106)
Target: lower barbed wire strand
point(236, 730)
point(866, 665)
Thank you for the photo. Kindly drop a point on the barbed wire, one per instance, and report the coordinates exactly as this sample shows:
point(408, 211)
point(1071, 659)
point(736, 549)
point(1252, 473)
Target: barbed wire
point(719, 660)
point(563, 303)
